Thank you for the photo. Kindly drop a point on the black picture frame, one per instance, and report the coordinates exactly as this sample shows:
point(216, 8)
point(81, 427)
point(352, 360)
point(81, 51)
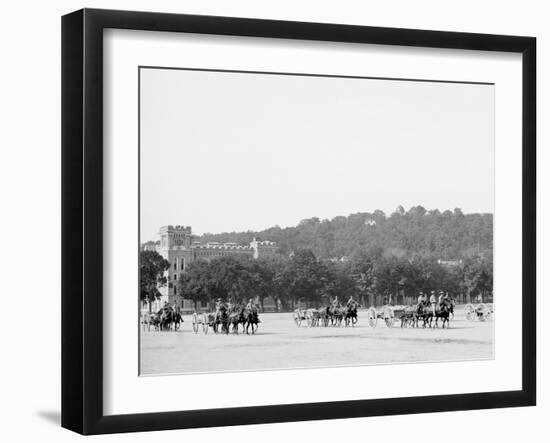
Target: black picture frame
point(82, 220)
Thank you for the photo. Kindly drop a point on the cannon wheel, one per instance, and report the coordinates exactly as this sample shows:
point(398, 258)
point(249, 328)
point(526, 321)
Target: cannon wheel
point(372, 317)
point(195, 323)
point(389, 316)
point(204, 321)
point(297, 319)
point(470, 312)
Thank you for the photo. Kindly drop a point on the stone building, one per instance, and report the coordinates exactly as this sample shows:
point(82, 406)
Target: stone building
point(177, 246)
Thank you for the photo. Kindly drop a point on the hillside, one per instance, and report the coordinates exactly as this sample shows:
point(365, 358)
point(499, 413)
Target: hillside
point(446, 235)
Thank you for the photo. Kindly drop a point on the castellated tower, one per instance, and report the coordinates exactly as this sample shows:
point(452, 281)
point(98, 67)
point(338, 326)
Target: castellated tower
point(175, 246)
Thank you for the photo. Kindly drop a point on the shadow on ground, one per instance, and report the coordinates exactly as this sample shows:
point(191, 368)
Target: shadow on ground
point(54, 417)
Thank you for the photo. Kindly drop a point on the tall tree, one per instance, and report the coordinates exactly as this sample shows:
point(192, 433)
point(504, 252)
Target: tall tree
point(152, 267)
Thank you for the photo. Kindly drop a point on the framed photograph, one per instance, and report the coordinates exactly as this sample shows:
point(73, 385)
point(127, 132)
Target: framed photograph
point(269, 221)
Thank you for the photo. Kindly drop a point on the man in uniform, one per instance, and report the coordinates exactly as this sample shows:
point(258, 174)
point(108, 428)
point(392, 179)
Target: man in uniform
point(420, 298)
point(335, 303)
point(220, 307)
point(351, 301)
point(433, 301)
point(251, 306)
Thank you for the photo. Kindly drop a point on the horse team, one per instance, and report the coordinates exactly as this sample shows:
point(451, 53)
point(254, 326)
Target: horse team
point(166, 319)
point(226, 319)
point(332, 315)
point(424, 314)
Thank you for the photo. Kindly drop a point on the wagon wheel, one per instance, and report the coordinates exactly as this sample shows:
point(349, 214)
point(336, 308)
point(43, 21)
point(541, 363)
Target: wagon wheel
point(372, 317)
point(297, 319)
point(204, 322)
point(195, 322)
point(389, 316)
point(470, 312)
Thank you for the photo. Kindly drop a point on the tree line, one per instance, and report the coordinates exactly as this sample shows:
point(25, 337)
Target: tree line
point(304, 278)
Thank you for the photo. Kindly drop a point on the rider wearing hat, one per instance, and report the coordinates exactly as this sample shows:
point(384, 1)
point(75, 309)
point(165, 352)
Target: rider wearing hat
point(220, 307)
point(433, 301)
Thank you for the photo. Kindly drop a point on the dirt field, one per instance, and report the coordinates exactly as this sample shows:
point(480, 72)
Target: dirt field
point(279, 343)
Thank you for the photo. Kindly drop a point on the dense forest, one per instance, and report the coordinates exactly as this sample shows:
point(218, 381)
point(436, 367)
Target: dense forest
point(448, 235)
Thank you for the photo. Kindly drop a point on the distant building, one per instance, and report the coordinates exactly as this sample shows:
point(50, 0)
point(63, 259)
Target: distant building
point(449, 263)
point(178, 247)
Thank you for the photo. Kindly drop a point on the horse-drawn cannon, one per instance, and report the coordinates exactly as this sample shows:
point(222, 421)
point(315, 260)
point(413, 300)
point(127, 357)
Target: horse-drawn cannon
point(481, 311)
point(411, 316)
point(226, 322)
point(208, 320)
point(303, 316)
point(333, 316)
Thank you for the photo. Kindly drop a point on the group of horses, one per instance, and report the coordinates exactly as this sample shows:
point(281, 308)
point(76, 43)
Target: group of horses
point(224, 320)
point(230, 319)
point(330, 315)
point(166, 319)
point(422, 314)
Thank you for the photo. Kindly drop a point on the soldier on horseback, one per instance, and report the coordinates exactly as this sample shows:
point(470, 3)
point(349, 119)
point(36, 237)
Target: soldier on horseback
point(251, 306)
point(433, 302)
point(221, 308)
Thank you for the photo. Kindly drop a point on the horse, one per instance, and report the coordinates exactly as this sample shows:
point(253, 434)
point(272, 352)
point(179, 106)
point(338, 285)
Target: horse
point(221, 321)
point(251, 318)
point(350, 313)
point(234, 319)
point(177, 319)
point(409, 317)
point(324, 316)
point(336, 315)
point(443, 312)
point(452, 308)
point(422, 313)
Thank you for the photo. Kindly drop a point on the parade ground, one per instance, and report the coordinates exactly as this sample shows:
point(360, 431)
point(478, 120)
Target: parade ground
point(280, 344)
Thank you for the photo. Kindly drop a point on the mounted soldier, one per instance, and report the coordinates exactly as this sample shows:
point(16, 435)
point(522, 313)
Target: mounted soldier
point(335, 303)
point(433, 302)
point(221, 309)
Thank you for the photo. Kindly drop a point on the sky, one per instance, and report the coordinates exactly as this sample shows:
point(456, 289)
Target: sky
point(224, 151)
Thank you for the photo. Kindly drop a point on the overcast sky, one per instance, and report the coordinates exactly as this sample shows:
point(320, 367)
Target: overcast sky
point(234, 151)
